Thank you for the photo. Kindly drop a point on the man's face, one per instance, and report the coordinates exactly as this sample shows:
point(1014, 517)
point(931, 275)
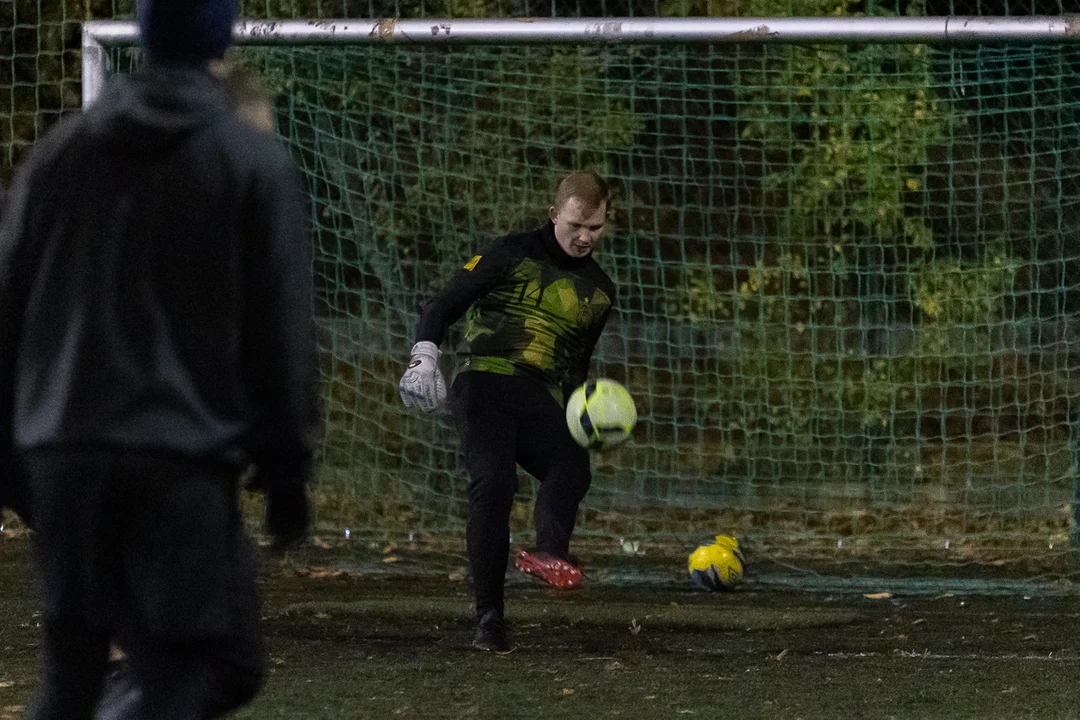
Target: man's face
point(578, 227)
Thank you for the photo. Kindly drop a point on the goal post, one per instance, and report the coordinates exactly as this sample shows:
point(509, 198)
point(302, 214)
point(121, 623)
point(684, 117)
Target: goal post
point(100, 34)
point(846, 251)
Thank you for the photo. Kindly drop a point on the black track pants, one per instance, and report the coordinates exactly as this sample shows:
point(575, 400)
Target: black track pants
point(147, 552)
point(505, 421)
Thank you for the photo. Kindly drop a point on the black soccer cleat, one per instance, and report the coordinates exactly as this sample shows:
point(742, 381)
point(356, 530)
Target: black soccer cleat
point(491, 633)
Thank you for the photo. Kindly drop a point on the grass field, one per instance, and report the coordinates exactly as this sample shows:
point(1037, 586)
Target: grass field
point(354, 636)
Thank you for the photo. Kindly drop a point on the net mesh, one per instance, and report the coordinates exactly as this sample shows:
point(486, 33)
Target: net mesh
point(844, 281)
point(40, 41)
point(844, 274)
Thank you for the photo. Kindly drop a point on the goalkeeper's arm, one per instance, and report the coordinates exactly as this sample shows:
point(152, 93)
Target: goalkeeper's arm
point(423, 386)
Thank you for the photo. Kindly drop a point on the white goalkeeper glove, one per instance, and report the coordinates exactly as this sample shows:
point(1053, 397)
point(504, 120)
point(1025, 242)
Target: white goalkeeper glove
point(422, 386)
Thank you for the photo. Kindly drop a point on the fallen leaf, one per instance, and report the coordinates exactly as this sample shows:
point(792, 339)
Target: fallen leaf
point(6, 684)
point(389, 559)
point(878, 596)
point(568, 691)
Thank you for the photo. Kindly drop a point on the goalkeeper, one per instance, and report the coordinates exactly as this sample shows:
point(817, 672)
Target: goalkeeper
point(537, 303)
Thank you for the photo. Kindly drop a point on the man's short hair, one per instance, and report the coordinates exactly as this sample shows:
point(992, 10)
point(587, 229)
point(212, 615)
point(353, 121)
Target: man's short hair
point(588, 187)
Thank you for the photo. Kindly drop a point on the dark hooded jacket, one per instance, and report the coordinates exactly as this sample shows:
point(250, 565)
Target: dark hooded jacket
point(155, 283)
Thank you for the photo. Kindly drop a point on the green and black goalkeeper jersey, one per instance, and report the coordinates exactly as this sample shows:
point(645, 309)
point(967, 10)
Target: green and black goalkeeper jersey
point(532, 310)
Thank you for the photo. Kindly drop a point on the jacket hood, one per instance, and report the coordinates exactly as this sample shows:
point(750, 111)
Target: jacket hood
point(156, 107)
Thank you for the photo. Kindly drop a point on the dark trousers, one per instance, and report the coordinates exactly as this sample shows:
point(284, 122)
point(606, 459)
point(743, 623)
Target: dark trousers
point(505, 421)
point(145, 551)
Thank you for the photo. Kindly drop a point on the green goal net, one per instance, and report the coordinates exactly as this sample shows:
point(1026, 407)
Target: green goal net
point(845, 284)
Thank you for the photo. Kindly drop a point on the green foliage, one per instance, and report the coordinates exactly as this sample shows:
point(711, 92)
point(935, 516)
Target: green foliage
point(793, 376)
point(697, 8)
point(852, 130)
point(426, 154)
point(846, 135)
point(790, 378)
point(962, 308)
point(949, 292)
point(792, 311)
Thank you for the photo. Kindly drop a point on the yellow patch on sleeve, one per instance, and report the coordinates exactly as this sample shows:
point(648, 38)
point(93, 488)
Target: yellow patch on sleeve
point(472, 263)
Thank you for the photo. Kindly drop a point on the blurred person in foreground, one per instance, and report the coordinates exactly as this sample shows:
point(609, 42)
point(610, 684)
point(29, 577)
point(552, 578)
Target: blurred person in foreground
point(252, 104)
point(155, 275)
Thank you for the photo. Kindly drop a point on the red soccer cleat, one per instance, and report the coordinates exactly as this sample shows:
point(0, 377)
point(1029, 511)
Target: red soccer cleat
point(552, 570)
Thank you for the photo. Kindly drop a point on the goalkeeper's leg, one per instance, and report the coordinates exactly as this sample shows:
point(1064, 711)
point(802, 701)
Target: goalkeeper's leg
point(548, 452)
point(487, 427)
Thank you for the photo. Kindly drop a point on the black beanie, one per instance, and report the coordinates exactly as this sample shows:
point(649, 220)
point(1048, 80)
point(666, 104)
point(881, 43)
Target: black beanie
point(192, 31)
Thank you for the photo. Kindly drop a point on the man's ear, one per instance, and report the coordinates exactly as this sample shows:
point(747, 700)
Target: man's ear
point(553, 213)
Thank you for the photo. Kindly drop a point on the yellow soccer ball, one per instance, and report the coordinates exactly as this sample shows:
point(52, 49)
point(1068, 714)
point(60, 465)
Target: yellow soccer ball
point(717, 565)
point(600, 414)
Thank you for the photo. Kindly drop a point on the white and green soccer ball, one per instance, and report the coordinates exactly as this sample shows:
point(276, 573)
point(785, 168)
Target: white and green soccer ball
point(600, 414)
